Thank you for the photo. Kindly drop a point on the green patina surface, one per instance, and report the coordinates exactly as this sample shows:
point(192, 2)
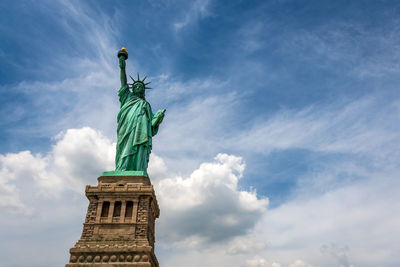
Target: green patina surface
point(125, 173)
point(136, 123)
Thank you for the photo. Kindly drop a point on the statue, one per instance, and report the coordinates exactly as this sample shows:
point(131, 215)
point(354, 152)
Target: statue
point(136, 123)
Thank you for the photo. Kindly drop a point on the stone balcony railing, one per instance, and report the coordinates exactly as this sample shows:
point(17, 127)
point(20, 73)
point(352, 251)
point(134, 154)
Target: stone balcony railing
point(119, 188)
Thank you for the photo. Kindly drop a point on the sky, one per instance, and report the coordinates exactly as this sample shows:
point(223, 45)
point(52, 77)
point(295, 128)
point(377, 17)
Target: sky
point(279, 148)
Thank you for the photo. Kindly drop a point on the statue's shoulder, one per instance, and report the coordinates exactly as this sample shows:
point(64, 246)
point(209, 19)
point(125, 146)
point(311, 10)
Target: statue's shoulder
point(124, 90)
point(148, 104)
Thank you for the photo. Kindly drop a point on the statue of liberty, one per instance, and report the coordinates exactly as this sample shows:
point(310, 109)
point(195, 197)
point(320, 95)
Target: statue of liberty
point(136, 123)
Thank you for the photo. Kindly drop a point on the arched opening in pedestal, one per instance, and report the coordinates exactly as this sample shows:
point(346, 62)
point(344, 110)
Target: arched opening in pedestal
point(105, 209)
point(117, 209)
point(129, 209)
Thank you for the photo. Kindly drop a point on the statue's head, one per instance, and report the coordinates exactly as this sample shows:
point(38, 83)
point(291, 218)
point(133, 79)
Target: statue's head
point(139, 87)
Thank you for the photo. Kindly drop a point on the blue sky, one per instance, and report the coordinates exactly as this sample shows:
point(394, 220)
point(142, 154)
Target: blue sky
point(282, 126)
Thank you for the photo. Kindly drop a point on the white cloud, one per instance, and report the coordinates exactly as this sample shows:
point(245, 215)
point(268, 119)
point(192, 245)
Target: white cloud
point(259, 262)
point(338, 252)
point(157, 168)
point(208, 205)
point(249, 243)
point(300, 263)
point(80, 155)
point(23, 167)
point(77, 158)
point(9, 194)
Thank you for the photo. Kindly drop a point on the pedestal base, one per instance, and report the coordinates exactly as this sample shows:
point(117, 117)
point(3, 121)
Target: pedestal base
point(119, 224)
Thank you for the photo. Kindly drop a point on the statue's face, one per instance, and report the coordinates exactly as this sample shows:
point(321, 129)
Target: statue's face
point(138, 88)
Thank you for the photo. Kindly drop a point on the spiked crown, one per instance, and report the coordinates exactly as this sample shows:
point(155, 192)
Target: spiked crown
point(140, 81)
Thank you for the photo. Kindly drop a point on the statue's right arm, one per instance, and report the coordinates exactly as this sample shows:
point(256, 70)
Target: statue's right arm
point(122, 65)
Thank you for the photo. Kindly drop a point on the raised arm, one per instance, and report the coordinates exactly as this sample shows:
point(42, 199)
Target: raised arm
point(123, 55)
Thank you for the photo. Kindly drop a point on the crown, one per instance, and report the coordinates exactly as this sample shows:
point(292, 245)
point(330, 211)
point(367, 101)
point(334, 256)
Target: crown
point(140, 81)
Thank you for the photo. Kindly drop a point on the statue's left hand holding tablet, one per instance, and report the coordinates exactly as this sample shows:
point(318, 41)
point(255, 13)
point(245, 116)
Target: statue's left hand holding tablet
point(158, 117)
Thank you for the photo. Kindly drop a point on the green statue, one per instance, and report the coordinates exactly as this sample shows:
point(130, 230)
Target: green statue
point(136, 123)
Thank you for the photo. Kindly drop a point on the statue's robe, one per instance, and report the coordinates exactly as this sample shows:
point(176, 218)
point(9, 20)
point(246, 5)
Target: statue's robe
point(135, 132)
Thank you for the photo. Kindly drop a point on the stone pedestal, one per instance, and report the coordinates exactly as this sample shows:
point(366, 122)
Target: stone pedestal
point(119, 225)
